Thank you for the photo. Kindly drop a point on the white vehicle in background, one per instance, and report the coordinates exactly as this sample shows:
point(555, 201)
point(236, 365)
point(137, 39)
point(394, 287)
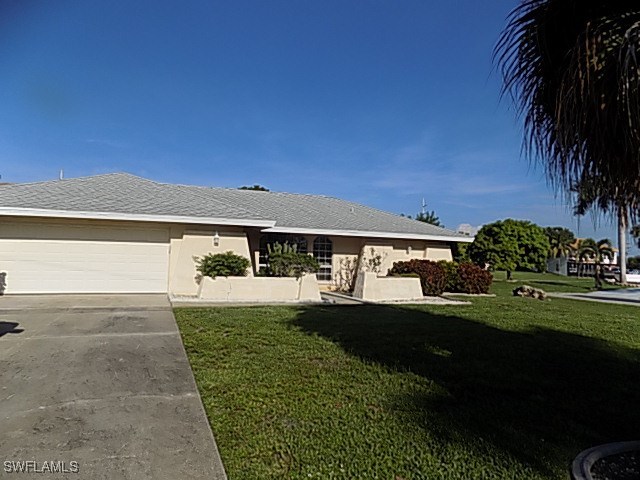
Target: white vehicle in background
point(633, 276)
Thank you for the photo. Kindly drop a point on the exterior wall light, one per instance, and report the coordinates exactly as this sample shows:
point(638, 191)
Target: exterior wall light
point(216, 240)
point(409, 250)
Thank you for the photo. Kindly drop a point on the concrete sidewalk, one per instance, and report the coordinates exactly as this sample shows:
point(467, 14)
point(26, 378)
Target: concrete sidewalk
point(624, 296)
point(103, 382)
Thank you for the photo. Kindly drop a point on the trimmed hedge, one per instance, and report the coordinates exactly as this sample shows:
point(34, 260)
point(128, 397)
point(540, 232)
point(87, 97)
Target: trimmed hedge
point(438, 277)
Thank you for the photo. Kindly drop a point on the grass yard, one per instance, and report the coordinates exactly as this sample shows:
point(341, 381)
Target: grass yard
point(503, 388)
point(548, 282)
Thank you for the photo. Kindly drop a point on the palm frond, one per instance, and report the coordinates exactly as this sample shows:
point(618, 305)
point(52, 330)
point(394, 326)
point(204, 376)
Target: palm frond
point(571, 67)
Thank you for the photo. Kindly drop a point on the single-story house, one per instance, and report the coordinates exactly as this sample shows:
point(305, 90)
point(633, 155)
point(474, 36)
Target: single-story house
point(119, 233)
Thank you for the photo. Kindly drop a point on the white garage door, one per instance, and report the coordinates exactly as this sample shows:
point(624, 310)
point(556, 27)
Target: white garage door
point(74, 258)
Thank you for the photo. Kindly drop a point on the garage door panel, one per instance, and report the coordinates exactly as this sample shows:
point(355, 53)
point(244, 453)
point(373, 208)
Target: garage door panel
point(124, 260)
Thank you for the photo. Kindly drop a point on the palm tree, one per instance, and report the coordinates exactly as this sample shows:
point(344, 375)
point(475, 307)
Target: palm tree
point(588, 196)
point(578, 245)
point(561, 241)
point(572, 69)
point(597, 252)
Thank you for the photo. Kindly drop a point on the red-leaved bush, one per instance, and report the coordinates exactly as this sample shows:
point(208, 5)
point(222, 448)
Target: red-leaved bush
point(433, 277)
point(436, 277)
point(473, 279)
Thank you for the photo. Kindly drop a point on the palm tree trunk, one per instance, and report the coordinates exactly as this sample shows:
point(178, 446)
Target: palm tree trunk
point(622, 243)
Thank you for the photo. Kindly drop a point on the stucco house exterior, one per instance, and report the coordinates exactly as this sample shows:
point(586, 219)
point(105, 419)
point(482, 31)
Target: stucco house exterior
point(118, 233)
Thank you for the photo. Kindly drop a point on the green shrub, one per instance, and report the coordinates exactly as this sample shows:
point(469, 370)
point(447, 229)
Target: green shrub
point(473, 279)
point(285, 261)
point(432, 275)
point(451, 274)
point(226, 264)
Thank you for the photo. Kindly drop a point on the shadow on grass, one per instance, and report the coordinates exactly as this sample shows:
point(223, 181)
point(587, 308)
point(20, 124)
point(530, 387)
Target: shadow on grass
point(540, 396)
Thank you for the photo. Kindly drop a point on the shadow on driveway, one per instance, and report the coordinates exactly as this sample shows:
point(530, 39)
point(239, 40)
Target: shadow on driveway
point(9, 327)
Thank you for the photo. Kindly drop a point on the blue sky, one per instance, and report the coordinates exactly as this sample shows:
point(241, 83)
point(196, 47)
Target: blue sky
point(380, 102)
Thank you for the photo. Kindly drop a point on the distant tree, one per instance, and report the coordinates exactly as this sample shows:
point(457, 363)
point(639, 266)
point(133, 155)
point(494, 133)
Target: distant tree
point(429, 217)
point(560, 241)
point(426, 216)
point(460, 252)
point(635, 231)
point(597, 252)
point(633, 263)
point(510, 245)
point(256, 187)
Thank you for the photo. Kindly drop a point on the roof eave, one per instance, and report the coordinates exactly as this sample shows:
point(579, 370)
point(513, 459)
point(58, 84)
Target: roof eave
point(133, 217)
point(369, 234)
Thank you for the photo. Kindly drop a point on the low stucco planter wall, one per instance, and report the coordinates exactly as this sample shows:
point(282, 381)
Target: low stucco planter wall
point(371, 287)
point(260, 289)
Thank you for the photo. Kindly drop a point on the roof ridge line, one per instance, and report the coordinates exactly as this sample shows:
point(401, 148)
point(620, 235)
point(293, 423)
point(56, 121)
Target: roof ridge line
point(83, 177)
point(238, 189)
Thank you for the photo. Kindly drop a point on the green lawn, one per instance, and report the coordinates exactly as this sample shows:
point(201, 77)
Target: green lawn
point(503, 388)
point(548, 282)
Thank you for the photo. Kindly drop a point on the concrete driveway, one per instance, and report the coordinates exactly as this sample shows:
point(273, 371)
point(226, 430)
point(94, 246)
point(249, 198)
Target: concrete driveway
point(102, 381)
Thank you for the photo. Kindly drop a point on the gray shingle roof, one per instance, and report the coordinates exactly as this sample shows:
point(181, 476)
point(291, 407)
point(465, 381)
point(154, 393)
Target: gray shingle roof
point(121, 193)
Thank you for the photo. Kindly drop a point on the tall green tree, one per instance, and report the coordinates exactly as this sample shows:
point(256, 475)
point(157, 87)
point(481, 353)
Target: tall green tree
point(596, 252)
point(510, 245)
point(429, 217)
point(633, 263)
point(460, 252)
point(426, 216)
point(561, 241)
point(256, 187)
point(572, 69)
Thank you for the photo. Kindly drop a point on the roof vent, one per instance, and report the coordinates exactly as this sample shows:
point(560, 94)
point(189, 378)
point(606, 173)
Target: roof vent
point(352, 210)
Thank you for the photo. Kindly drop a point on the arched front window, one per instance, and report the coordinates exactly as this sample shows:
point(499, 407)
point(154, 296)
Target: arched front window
point(271, 238)
point(323, 253)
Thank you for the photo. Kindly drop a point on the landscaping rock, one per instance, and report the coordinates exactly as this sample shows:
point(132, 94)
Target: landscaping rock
point(530, 292)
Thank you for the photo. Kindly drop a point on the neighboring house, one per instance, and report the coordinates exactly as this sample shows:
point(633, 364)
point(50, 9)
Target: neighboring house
point(573, 266)
point(575, 246)
point(122, 233)
point(558, 265)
